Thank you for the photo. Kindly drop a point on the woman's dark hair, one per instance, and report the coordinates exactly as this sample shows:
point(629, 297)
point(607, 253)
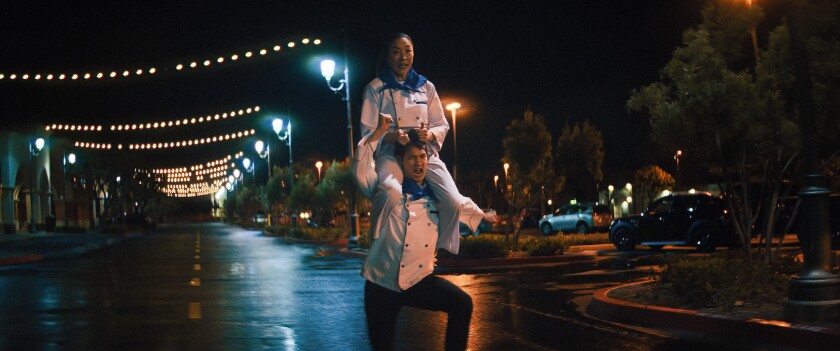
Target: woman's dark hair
point(382, 62)
point(414, 141)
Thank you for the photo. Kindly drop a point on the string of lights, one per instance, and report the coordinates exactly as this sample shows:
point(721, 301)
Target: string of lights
point(165, 145)
point(151, 70)
point(194, 167)
point(176, 177)
point(192, 190)
point(152, 125)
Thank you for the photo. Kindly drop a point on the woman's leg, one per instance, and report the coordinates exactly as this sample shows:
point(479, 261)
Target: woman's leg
point(438, 294)
point(388, 169)
point(448, 201)
point(381, 309)
point(454, 207)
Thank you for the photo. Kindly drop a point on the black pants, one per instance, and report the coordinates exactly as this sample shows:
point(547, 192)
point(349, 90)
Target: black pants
point(432, 293)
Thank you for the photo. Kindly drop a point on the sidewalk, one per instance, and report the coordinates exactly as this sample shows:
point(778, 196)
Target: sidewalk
point(21, 248)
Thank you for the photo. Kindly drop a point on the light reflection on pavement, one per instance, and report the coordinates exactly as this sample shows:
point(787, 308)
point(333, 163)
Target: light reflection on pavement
point(260, 293)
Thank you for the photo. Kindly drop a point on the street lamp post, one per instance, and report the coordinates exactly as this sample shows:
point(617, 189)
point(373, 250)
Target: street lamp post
point(249, 167)
point(69, 160)
point(35, 148)
point(318, 165)
point(328, 70)
point(232, 198)
point(677, 157)
point(264, 151)
point(629, 197)
point(754, 39)
point(454, 108)
point(285, 134)
point(814, 293)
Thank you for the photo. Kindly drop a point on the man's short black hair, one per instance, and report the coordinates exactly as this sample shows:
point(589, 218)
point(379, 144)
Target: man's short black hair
point(414, 141)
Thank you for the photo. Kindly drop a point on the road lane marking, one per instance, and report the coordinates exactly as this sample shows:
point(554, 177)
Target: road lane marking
point(194, 310)
point(196, 267)
point(197, 257)
point(195, 282)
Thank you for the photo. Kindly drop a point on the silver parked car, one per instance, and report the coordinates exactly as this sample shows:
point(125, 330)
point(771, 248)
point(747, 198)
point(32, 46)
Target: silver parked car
point(580, 218)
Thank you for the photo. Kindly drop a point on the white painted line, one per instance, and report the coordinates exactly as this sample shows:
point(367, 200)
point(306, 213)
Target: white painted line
point(194, 310)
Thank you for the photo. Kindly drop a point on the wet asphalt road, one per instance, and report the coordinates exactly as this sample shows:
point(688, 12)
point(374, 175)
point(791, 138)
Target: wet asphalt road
point(215, 287)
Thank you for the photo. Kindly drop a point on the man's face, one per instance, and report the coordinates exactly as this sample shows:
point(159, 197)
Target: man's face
point(414, 164)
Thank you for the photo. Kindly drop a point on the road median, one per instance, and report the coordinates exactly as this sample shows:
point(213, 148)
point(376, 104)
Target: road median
point(768, 331)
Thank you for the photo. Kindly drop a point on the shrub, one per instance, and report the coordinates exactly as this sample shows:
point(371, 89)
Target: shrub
point(320, 234)
point(550, 246)
point(725, 280)
point(483, 246)
point(364, 239)
point(585, 239)
point(280, 230)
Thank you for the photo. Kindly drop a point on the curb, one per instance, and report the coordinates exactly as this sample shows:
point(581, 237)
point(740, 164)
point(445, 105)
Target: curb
point(508, 262)
point(13, 260)
point(450, 265)
point(769, 331)
point(88, 247)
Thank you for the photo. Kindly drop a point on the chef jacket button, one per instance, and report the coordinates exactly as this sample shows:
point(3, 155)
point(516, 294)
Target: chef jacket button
point(427, 245)
point(421, 266)
point(406, 245)
point(406, 205)
point(399, 118)
point(430, 224)
point(402, 266)
point(418, 117)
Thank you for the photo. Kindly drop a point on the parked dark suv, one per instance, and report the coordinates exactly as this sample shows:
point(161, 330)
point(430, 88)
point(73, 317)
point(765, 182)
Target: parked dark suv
point(698, 219)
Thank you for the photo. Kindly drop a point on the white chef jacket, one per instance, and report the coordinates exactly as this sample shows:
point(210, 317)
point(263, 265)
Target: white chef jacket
point(408, 108)
point(404, 231)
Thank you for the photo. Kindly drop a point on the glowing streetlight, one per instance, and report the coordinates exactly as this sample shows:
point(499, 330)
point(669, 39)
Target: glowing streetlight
point(453, 107)
point(35, 148)
point(264, 152)
point(507, 166)
point(318, 165)
point(68, 161)
point(248, 166)
point(327, 71)
point(495, 181)
point(285, 134)
point(677, 157)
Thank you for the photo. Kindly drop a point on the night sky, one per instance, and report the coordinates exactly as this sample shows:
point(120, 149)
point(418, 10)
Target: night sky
point(566, 60)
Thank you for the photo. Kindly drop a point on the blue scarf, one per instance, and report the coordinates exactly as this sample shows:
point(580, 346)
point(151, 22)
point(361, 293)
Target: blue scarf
point(414, 190)
point(413, 80)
